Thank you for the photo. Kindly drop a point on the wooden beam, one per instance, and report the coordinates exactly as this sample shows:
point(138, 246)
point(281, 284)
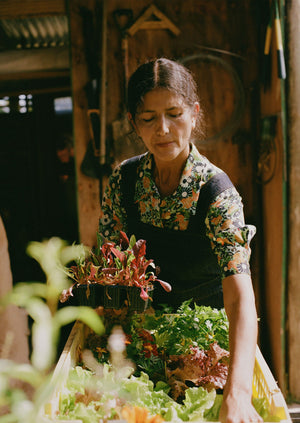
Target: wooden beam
point(24, 76)
point(12, 92)
point(26, 62)
point(87, 188)
point(19, 9)
point(293, 264)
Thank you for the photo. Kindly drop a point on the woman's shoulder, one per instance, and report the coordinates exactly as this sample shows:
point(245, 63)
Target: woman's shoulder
point(202, 167)
point(134, 162)
point(128, 169)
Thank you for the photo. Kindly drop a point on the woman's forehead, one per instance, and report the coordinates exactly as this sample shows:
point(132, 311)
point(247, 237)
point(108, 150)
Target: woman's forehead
point(161, 98)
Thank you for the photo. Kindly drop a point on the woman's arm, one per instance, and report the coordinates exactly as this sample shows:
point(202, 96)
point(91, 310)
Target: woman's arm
point(240, 308)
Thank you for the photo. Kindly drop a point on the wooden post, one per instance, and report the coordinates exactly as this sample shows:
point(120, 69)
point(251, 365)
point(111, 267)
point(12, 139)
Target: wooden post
point(294, 201)
point(87, 187)
point(274, 228)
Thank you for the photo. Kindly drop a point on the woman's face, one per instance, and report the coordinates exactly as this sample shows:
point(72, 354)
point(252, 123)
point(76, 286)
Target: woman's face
point(165, 122)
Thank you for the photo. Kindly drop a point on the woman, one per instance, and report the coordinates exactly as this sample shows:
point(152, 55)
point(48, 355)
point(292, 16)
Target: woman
point(190, 215)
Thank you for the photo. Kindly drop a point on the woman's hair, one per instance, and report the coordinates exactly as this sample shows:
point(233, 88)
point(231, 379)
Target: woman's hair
point(160, 73)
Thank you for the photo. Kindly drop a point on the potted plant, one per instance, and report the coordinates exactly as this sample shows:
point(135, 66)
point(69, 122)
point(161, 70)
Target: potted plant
point(115, 275)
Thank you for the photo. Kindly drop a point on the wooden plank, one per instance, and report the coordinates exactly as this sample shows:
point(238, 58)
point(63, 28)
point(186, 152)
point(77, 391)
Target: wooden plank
point(17, 76)
point(67, 360)
point(294, 202)
point(273, 314)
point(87, 188)
point(19, 9)
point(15, 62)
point(34, 90)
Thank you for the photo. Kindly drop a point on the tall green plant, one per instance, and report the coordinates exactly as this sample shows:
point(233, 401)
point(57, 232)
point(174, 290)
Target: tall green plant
point(40, 300)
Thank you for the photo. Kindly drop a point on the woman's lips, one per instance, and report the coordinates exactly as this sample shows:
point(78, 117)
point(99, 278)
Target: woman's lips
point(164, 144)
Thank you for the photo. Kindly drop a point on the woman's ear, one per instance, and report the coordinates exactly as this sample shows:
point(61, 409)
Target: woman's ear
point(132, 122)
point(129, 116)
point(196, 110)
point(196, 107)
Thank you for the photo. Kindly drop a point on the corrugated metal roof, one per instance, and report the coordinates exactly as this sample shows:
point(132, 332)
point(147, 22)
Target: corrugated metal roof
point(42, 32)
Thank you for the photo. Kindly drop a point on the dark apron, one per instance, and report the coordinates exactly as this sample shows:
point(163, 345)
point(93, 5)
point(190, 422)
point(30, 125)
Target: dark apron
point(185, 258)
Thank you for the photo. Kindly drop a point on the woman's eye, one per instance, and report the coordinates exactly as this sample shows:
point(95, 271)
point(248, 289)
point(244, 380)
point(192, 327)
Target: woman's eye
point(147, 119)
point(175, 115)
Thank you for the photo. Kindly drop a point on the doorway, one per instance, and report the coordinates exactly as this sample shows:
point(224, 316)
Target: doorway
point(37, 175)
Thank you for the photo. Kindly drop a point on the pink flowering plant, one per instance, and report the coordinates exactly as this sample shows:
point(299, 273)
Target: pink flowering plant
point(123, 264)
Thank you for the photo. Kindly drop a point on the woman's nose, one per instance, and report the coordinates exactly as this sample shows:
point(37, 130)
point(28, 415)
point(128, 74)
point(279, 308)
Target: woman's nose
point(162, 127)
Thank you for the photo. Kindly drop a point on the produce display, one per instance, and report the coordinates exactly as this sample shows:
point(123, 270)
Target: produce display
point(152, 367)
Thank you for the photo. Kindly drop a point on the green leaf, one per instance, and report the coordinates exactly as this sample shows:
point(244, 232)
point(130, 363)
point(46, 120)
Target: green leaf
point(23, 292)
point(85, 314)
point(74, 252)
point(44, 348)
point(48, 255)
point(212, 414)
point(24, 372)
point(196, 401)
point(132, 242)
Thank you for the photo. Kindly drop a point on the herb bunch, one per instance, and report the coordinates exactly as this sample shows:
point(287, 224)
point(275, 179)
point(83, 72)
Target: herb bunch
point(196, 326)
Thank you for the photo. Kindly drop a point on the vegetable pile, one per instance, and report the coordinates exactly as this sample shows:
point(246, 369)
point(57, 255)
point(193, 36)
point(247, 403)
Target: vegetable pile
point(106, 397)
point(173, 365)
point(173, 368)
point(189, 348)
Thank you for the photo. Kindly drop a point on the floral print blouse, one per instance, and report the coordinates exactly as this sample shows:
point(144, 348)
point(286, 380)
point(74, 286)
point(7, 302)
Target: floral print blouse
point(226, 229)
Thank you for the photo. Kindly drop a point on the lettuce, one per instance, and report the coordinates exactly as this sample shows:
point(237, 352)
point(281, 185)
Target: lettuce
point(103, 398)
point(107, 396)
point(196, 402)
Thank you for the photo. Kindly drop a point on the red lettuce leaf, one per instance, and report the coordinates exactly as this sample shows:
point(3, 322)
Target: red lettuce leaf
point(208, 369)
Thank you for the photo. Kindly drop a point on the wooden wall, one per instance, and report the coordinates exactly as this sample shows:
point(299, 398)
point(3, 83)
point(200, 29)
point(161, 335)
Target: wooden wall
point(225, 66)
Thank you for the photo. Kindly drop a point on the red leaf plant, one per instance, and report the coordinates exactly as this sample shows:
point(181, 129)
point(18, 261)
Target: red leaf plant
point(202, 368)
point(123, 264)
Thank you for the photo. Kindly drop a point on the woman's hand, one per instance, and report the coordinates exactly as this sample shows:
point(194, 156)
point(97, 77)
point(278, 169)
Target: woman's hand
point(237, 408)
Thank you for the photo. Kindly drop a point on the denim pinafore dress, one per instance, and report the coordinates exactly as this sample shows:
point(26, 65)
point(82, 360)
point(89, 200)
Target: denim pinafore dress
point(185, 258)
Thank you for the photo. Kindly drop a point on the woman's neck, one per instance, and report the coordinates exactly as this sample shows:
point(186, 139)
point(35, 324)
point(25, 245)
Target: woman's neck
point(167, 177)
